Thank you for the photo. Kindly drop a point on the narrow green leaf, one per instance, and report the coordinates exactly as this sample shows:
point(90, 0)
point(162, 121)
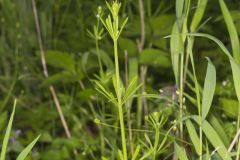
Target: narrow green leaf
point(26, 150)
point(131, 89)
point(122, 26)
point(109, 26)
point(120, 154)
point(179, 8)
point(214, 138)
point(135, 154)
point(236, 77)
point(148, 140)
point(208, 90)
point(109, 7)
point(193, 136)
point(198, 14)
point(7, 134)
point(100, 88)
point(181, 154)
point(147, 154)
point(176, 47)
point(194, 77)
point(207, 155)
point(234, 65)
point(219, 129)
point(232, 30)
point(217, 41)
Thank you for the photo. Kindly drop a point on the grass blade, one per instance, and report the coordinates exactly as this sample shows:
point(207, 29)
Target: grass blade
point(193, 136)
point(26, 151)
point(236, 77)
point(219, 129)
point(7, 134)
point(208, 90)
point(214, 138)
point(179, 8)
point(198, 14)
point(181, 154)
point(135, 155)
point(217, 41)
point(232, 30)
point(176, 49)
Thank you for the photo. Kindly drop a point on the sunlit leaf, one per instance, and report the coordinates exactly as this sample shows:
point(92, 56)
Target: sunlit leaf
point(181, 153)
point(208, 90)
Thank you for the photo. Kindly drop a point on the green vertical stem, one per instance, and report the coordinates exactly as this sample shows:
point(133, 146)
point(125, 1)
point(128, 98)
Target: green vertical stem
point(197, 91)
point(139, 110)
point(238, 123)
point(156, 141)
point(97, 49)
point(181, 96)
point(238, 151)
point(238, 117)
point(128, 106)
point(120, 109)
point(143, 68)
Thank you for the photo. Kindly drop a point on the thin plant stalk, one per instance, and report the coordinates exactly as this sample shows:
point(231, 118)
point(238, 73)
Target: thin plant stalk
point(238, 151)
point(45, 71)
point(97, 50)
point(96, 35)
point(156, 141)
point(197, 92)
point(181, 95)
point(119, 99)
point(142, 106)
point(238, 123)
point(112, 25)
point(128, 105)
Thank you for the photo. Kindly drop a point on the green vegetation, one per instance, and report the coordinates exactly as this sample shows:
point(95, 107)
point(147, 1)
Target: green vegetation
point(125, 80)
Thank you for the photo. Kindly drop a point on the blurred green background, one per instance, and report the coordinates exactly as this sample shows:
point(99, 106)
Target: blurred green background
point(72, 64)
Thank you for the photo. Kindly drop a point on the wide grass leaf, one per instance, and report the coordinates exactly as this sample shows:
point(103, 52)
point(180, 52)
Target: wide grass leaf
point(176, 47)
point(214, 139)
point(181, 154)
point(217, 41)
point(7, 134)
point(179, 8)
point(208, 90)
point(219, 129)
point(193, 136)
point(234, 65)
point(198, 14)
point(236, 77)
point(232, 30)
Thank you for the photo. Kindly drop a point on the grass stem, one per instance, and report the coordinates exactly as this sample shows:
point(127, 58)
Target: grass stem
point(119, 99)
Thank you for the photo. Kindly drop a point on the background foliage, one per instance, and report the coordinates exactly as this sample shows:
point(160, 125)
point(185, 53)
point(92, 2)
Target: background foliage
point(73, 65)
